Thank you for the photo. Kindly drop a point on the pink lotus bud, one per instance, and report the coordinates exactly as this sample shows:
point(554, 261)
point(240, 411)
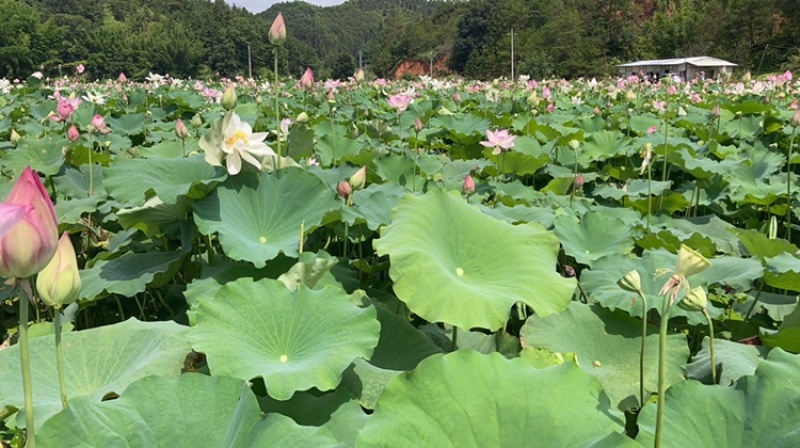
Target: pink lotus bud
point(122, 77)
point(331, 98)
point(596, 111)
point(59, 283)
point(30, 244)
point(359, 179)
point(98, 122)
point(307, 80)
point(277, 32)
point(73, 134)
point(359, 75)
point(80, 69)
point(418, 125)
point(579, 180)
point(651, 130)
point(795, 122)
point(551, 107)
point(787, 76)
point(11, 214)
point(343, 189)
point(457, 98)
point(180, 130)
point(715, 111)
point(469, 185)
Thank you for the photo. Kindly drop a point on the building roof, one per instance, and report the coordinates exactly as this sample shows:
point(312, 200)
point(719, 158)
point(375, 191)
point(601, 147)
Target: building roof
point(700, 61)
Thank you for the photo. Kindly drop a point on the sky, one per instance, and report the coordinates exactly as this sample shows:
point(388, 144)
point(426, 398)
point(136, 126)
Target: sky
point(255, 6)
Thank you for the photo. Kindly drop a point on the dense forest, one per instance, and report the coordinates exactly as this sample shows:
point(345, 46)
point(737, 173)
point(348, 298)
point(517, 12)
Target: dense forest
point(566, 38)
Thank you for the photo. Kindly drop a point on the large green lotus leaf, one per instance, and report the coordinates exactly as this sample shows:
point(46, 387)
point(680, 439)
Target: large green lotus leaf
point(129, 180)
point(788, 335)
point(634, 189)
point(783, 272)
point(295, 340)
point(734, 360)
point(600, 283)
point(607, 345)
point(258, 216)
point(451, 263)
point(761, 246)
point(466, 399)
point(129, 124)
point(129, 274)
point(593, 237)
point(760, 411)
point(372, 208)
point(401, 346)
point(334, 143)
point(309, 269)
point(603, 145)
point(521, 214)
point(43, 155)
point(711, 227)
point(98, 361)
point(154, 215)
point(190, 411)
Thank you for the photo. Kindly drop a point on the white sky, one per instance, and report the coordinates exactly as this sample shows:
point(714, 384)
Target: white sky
point(255, 6)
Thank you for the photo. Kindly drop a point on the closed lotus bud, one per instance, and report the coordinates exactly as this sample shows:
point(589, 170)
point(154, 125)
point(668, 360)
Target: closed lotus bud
point(98, 122)
point(469, 185)
point(73, 134)
point(343, 189)
point(695, 300)
point(229, 98)
point(579, 180)
point(277, 32)
point(596, 111)
point(631, 282)
point(690, 262)
point(574, 145)
point(14, 137)
point(795, 122)
point(302, 118)
point(457, 98)
point(307, 80)
point(331, 98)
point(259, 100)
point(122, 77)
point(197, 121)
point(533, 99)
point(29, 245)
point(630, 96)
point(180, 130)
point(359, 75)
point(418, 125)
point(715, 111)
point(59, 283)
point(747, 77)
point(359, 179)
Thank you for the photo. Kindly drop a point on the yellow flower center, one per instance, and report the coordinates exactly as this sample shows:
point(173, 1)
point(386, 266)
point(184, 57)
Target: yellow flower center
point(239, 135)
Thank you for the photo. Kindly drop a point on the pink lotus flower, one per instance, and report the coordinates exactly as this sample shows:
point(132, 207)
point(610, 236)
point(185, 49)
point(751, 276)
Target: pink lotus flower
point(307, 80)
point(11, 214)
point(469, 185)
point(99, 124)
point(651, 130)
point(501, 141)
point(400, 102)
point(551, 107)
point(80, 69)
point(277, 32)
point(73, 134)
point(122, 77)
point(793, 106)
point(787, 76)
point(28, 245)
point(695, 98)
point(659, 105)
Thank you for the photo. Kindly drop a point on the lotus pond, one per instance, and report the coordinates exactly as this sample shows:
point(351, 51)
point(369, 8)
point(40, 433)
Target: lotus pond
point(403, 264)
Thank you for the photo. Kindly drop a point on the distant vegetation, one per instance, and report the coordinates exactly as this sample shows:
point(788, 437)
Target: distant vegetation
point(565, 38)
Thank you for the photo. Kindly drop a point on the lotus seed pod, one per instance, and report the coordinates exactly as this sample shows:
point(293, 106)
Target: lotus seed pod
point(695, 300)
point(631, 282)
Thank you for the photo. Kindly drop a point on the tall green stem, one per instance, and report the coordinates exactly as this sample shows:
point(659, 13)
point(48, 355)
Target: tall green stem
point(711, 346)
point(62, 384)
point(642, 349)
point(25, 357)
point(454, 342)
point(789, 190)
point(91, 168)
point(277, 106)
point(662, 368)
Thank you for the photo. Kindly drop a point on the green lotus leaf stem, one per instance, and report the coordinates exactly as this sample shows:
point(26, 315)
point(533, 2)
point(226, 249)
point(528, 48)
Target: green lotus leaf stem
point(277, 106)
point(662, 366)
point(789, 189)
point(62, 385)
point(711, 346)
point(454, 342)
point(25, 358)
point(642, 350)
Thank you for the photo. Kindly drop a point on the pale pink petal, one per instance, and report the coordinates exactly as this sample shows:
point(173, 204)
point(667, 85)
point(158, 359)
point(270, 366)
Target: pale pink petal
point(10, 214)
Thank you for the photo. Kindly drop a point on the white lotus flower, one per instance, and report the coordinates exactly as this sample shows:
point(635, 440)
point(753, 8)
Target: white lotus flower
point(239, 142)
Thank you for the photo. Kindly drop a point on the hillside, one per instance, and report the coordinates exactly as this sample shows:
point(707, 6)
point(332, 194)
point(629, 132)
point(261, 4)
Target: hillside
point(564, 38)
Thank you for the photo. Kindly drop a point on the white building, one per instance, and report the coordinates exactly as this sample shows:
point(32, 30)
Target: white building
point(685, 68)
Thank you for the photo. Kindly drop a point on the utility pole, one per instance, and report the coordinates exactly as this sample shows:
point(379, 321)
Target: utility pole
point(512, 54)
point(431, 69)
point(360, 59)
point(249, 63)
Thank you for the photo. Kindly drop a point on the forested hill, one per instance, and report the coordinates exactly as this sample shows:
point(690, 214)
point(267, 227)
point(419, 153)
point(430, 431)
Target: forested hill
point(551, 37)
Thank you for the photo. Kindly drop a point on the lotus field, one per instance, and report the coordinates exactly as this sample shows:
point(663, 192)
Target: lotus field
point(400, 264)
